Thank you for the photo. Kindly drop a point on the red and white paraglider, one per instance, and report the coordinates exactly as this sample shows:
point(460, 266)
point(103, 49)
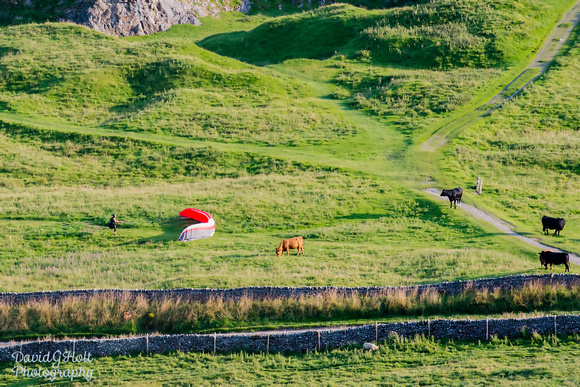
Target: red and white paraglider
point(204, 228)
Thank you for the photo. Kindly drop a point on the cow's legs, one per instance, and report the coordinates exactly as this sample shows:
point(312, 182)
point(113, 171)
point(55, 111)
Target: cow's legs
point(567, 268)
point(555, 231)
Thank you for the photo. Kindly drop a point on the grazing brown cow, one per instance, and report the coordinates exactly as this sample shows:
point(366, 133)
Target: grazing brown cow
point(548, 257)
point(291, 243)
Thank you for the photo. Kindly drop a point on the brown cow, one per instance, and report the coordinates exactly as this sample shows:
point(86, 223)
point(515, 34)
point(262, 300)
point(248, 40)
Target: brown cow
point(291, 243)
point(548, 257)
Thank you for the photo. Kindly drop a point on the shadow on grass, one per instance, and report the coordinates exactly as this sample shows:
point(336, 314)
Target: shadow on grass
point(363, 216)
point(171, 230)
point(519, 374)
point(434, 280)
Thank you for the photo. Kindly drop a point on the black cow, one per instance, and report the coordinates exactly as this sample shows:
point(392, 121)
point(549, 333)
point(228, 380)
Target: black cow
point(454, 196)
point(556, 224)
point(552, 257)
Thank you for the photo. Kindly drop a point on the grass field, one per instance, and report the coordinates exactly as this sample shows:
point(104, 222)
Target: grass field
point(144, 127)
point(528, 361)
point(285, 122)
point(526, 153)
point(147, 126)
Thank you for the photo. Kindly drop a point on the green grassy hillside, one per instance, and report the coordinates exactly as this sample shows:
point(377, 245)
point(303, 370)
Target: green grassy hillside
point(145, 127)
point(526, 152)
point(71, 73)
point(320, 141)
point(441, 34)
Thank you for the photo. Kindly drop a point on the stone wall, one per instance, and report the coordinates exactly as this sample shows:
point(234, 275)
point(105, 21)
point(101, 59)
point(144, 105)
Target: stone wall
point(270, 292)
point(302, 340)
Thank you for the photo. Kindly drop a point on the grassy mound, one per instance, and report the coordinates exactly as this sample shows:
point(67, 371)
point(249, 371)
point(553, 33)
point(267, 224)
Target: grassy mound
point(317, 34)
point(173, 87)
point(414, 98)
point(441, 34)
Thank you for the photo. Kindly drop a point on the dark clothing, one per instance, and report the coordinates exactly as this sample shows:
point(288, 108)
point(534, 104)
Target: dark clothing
point(112, 224)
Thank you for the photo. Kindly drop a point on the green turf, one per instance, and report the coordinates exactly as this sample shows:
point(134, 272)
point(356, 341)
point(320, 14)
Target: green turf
point(145, 127)
point(535, 361)
point(441, 34)
point(320, 141)
point(526, 153)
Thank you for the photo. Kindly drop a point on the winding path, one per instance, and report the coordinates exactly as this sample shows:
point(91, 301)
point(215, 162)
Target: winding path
point(540, 63)
point(504, 226)
point(546, 54)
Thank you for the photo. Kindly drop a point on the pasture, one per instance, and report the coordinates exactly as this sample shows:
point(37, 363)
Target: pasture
point(533, 360)
point(276, 134)
point(526, 153)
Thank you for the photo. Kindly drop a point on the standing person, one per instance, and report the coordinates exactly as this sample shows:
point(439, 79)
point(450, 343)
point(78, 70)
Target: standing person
point(113, 223)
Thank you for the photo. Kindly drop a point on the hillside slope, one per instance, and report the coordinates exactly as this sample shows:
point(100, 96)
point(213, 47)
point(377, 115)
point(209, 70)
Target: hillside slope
point(68, 72)
point(144, 127)
point(441, 34)
point(527, 151)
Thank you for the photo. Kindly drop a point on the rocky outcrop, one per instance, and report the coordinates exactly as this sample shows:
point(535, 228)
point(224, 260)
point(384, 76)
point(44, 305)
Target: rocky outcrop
point(244, 6)
point(141, 17)
point(132, 17)
point(118, 17)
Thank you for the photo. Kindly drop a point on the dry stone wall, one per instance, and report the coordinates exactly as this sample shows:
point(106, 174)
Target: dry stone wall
point(302, 341)
point(271, 292)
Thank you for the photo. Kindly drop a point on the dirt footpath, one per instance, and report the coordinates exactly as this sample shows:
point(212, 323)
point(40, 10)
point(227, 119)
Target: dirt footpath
point(544, 57)
point(503, 226)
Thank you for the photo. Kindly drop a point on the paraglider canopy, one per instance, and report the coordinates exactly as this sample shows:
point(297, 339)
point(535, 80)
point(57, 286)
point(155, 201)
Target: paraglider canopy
point(204, 227)
point(192, 213)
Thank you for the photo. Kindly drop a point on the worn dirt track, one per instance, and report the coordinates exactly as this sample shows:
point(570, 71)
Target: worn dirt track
point(503, 226)
point(542, 61)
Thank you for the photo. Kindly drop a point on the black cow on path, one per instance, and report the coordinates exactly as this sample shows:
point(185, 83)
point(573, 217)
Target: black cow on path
point(454, 196)
point(556, 224)
point(552, 257)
